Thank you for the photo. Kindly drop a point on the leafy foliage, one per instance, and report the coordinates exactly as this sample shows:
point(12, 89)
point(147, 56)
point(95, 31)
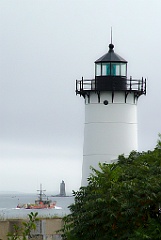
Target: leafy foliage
point(24, 231)
point(121, 201)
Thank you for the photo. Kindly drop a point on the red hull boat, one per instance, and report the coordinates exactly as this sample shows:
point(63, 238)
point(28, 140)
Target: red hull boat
point(41, 203)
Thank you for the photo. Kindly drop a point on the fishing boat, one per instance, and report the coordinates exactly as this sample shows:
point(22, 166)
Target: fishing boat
point(41, 203)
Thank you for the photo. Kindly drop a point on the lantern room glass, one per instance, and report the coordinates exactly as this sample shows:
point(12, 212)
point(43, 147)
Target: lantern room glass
point(113, 69)
point(105, 69)
point(98, 69)
point(123, 69)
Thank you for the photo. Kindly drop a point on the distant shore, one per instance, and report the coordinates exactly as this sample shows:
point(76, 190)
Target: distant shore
point(58, 195)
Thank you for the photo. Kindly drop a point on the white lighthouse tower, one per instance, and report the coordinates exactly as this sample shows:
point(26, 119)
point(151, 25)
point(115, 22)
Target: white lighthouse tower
point(110, 111)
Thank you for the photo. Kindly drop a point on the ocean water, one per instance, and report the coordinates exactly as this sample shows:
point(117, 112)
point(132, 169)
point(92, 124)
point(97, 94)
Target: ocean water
point(9, 210)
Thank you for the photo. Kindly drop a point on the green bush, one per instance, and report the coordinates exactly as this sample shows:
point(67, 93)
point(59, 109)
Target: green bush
point(25, 230)
point(121, 201)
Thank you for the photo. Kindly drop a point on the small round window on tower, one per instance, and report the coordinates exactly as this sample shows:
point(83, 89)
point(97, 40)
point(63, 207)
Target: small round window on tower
point(105, 102)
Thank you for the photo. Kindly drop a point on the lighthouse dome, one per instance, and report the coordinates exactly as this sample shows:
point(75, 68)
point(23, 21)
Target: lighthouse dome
point(111, 56)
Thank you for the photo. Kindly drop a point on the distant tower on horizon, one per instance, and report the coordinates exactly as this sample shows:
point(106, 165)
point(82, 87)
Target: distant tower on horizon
point(110, 111)
point(62, 189)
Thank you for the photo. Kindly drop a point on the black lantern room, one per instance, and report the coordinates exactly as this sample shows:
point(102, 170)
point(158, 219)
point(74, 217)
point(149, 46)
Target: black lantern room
point(111, 75)
point(111, 71)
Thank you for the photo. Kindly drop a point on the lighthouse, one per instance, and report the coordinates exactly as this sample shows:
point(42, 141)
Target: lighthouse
point(111, 99)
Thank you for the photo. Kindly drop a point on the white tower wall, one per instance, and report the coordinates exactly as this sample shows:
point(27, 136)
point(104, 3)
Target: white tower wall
point(110, 130)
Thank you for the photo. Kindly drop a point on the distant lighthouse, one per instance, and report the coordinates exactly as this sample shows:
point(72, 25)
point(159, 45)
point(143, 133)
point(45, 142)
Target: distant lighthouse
point(110, 111)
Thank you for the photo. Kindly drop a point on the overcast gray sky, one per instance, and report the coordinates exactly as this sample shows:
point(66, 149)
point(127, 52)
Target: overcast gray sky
point(45, 45)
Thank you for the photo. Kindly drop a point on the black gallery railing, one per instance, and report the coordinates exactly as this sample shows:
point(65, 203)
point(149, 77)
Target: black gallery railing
point(130, 85)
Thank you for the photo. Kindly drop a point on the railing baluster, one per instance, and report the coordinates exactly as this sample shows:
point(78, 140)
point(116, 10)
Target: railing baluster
point(142, 84)
point(130, 83)
point(76, 87)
